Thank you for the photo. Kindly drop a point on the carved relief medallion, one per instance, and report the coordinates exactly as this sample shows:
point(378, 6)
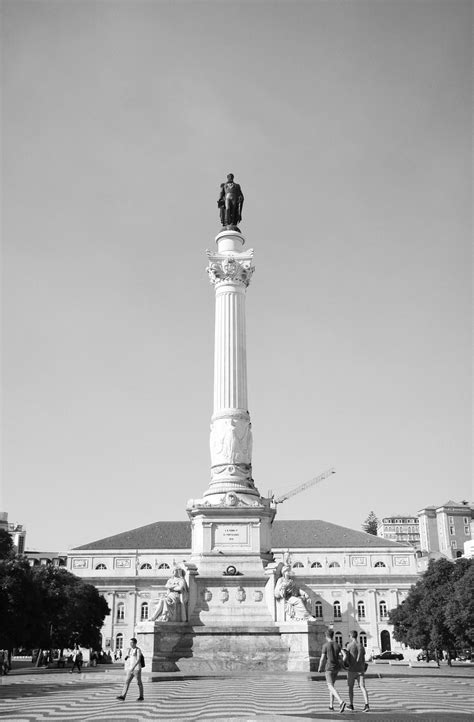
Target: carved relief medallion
point(231, 441)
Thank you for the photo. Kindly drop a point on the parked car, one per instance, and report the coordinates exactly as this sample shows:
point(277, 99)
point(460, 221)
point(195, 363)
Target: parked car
point(389, 655)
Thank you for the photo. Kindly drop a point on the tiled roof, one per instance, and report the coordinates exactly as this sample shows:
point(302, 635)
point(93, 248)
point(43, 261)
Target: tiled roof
point(317, 533)
point(455, 505)
point(294, 534)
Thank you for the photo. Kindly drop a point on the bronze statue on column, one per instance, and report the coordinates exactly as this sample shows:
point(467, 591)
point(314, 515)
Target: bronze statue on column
point(230, 203)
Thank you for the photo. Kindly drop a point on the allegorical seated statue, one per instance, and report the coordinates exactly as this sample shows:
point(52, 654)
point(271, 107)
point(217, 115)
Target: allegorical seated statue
point(295, 599)
point(230, 203)
point(172, 607)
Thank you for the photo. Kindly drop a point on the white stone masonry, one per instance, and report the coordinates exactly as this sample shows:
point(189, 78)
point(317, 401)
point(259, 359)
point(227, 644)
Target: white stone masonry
point(230, 270)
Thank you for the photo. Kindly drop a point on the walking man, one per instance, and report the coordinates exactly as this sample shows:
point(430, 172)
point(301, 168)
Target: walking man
point(356, 670)
point(133, 667)
point(76, 659)
point(330, 661)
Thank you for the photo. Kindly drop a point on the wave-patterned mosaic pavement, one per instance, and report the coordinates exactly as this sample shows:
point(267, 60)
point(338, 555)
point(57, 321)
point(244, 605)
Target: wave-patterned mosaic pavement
point(92, 697)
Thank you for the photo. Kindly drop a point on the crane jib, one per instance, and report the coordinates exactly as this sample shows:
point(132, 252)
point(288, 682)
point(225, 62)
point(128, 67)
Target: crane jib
point(304, 486)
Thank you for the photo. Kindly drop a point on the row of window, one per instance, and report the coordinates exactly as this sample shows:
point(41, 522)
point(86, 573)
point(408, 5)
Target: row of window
point(143, 566)
point(400, 521)
point(465, 520)
point(296, 565)
point(318, 610)
point(362, 637)
point(332, 565)
point(402, 529)
point(452, 530)
point(120, 613)
point(383, 610)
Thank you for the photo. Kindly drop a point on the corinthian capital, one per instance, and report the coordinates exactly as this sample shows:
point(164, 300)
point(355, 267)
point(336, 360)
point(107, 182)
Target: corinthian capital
point(230, 268)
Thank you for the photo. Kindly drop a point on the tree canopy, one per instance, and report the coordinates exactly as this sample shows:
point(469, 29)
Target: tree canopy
point(47, 607)
point(438, 613)
point(6, 544)
point(370, 524)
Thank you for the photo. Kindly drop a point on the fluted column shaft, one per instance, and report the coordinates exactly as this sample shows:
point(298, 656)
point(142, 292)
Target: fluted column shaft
point(230, 270)
point(230, 354)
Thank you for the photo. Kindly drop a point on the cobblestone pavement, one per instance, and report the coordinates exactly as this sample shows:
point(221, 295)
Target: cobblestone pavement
point(405, 695)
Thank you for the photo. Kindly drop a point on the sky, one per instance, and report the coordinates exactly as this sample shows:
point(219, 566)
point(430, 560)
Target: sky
point(348, 125)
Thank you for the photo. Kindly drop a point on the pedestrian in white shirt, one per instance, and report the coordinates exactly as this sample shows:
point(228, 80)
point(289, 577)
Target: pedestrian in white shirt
point(133, 668)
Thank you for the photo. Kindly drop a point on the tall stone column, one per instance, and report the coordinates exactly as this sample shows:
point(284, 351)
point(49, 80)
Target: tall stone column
point(231, 523)
point(230, 270)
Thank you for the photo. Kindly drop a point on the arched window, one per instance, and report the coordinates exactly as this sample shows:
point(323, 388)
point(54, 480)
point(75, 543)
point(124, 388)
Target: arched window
point(337, 610)
point(298, 565)
point(316, 565)
point(164, 565)
point(145, 566)
point(333, 565)
point(361, 610)
point(101, 566)
point(380, 564)
point(363, 639)
point(120, 612)
point(318, 610)
point(338, 638)
point(119, 642)
point(383, 609)
point(143, 611)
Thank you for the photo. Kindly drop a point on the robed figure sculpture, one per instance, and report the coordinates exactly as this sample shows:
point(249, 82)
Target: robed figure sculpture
point(230, 202)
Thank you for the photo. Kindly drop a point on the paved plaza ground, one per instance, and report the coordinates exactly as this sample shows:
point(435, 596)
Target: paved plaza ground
point(399, 693)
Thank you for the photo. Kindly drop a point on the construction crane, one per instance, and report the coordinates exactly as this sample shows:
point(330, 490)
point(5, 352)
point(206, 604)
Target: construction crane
point(304, 486)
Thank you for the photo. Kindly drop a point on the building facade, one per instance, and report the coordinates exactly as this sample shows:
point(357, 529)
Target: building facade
point(446, 528)
point(16, 531)
point(400, 528)
point(353, 579)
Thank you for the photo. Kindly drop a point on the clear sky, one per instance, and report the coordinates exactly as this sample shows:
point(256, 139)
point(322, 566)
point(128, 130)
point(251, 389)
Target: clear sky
point(348, 125)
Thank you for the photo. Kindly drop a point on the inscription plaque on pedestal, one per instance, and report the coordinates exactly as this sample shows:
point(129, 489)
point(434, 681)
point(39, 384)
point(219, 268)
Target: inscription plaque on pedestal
point(230, 535)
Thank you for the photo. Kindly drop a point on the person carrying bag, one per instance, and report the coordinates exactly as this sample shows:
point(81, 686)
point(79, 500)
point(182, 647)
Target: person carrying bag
point(134, 661)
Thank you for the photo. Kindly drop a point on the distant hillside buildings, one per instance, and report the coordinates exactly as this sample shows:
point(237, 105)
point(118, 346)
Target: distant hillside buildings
point(400, 528)
point(16, 531)
point(445, 529)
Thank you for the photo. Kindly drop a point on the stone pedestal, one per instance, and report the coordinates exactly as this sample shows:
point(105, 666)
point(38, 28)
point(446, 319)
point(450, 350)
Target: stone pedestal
point(173, 647)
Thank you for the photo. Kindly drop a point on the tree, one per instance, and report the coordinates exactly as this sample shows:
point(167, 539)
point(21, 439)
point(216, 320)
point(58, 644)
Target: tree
point(6, 544)
point(370, 524)
point(435, 614)
point(19, 603)
point(47, 607)
point(460, 610)
point(72, 611)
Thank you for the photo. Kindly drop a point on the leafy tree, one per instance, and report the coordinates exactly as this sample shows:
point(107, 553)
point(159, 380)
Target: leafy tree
point(47, 607)
point(19, 604)
point(410, 626)
point(6, 544)
point(72, 610)
point(435, 614)
point(370, 524)
point(460, 610)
